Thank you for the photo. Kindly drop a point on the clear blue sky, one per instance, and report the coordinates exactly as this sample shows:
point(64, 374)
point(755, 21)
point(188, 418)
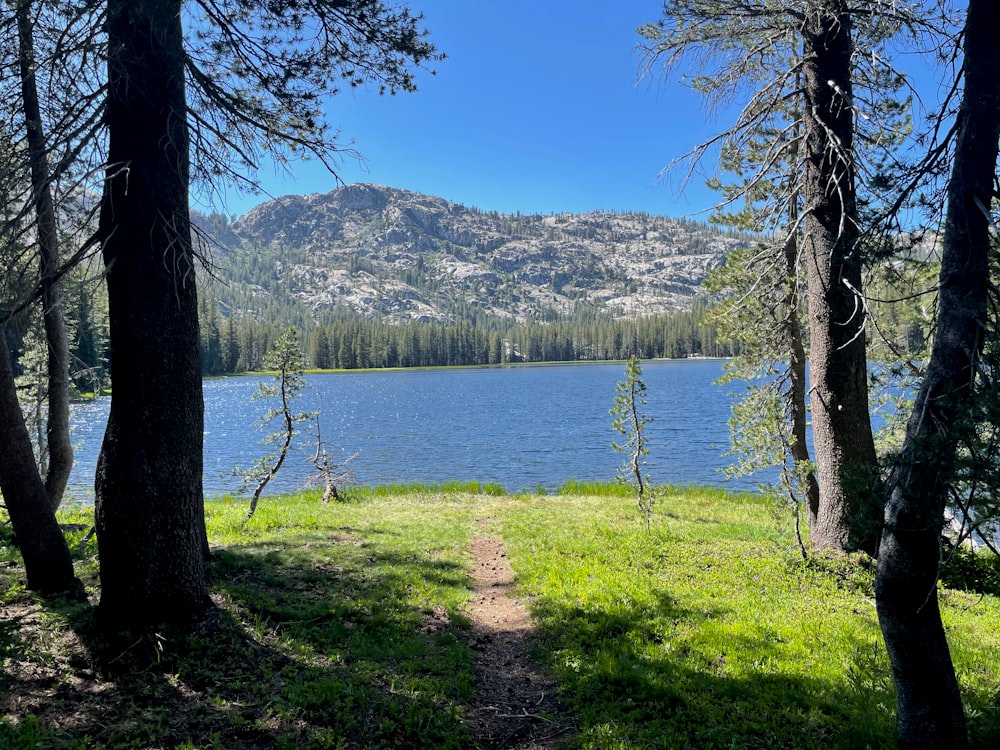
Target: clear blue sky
point(536, 109)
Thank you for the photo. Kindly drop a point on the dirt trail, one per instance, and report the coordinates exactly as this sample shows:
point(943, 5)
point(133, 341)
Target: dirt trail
point(514, 706)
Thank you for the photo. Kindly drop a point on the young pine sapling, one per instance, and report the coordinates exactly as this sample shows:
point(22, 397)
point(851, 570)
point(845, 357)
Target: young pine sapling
point(285, 359)
point(631, 421)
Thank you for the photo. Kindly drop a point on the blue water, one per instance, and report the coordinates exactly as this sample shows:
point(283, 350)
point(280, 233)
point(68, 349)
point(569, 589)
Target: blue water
point(522, 427)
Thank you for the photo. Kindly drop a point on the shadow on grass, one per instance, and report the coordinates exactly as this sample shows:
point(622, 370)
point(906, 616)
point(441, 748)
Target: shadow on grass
point(977, 573)
point(635, 678)
point(295, 655)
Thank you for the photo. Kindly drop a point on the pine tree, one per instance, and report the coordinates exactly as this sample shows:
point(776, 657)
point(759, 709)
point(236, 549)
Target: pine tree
point(285, 359)
point(629, 419)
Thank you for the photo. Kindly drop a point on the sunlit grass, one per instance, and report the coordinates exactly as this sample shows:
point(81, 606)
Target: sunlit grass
point(344, 625)
point(599, 489)
point(417, 488)
point(350, 586)
point(711, 631)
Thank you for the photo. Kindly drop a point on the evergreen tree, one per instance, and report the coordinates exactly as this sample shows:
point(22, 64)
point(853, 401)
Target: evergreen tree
point(320, 349)
point(285, 359)
point(774, 55)
point(629, 419)
point(279, 60)
point(149, 500)
point(929, 705)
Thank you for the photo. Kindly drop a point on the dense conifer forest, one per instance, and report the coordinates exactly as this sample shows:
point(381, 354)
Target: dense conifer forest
point(231, 345)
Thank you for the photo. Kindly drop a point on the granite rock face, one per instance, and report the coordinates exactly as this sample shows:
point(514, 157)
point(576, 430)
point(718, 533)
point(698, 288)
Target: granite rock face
point(397, 255)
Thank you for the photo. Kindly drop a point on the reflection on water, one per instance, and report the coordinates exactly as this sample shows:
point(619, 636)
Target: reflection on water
point(522, 427)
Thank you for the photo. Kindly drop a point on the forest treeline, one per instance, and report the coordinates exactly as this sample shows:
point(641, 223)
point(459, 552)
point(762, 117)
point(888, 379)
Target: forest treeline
point(235, 345)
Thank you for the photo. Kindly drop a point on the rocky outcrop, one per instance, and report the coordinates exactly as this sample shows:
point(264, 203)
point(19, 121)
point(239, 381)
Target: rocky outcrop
point(380, 251)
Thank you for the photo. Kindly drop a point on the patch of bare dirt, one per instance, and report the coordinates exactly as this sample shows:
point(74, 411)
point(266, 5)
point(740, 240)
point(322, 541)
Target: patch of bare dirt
point(514, 706)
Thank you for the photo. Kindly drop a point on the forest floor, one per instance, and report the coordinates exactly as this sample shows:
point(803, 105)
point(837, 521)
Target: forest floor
point(513, 705)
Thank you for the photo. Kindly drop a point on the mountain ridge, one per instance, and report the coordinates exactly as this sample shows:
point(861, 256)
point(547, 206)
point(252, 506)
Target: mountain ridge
point(381, 252)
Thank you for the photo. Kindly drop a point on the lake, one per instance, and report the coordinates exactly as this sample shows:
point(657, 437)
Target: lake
point(523, 427)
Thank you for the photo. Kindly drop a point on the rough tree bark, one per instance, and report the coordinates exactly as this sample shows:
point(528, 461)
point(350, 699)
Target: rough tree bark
point(797, 365)
point(929, 706)
point(842, 435)
point(150, 507)
point(47, 562)
point(798, 360)
point(60, 449)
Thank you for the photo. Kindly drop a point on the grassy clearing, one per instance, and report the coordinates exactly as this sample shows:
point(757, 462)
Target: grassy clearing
point(343, 626)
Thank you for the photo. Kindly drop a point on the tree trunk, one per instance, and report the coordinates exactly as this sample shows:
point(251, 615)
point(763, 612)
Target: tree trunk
point(797, 361)
point(60, 449)
point(150, 507)
point(847, 517)
point(47, 562)
point(929, 705)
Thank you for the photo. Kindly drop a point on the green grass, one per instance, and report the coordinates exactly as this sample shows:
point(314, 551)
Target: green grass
point(603, 489)
point(423, 489)
point(343, 625)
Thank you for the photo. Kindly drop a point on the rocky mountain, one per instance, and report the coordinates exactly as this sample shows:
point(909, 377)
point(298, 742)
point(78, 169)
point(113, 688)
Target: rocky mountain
point(398, 255)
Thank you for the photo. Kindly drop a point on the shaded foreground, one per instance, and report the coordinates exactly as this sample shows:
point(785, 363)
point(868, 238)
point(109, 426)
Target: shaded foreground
point(372, 624)
point(514, 702)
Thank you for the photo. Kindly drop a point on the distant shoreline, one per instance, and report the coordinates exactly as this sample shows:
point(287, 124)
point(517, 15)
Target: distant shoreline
point(549, 363)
